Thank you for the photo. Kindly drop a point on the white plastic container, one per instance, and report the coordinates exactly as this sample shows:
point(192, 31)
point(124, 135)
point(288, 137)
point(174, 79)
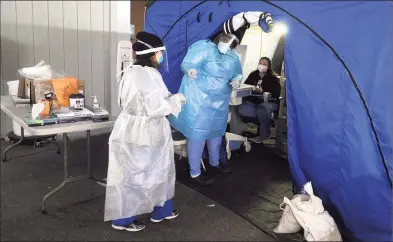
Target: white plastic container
point(16, 128)
point(13, 87)
point(13, 91)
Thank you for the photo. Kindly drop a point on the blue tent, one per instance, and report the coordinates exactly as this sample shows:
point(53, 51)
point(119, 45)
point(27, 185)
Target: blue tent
point(338, 64)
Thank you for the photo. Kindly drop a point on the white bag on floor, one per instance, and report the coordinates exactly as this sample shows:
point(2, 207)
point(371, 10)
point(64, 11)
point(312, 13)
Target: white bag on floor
point(311, 203)
point(307, 212)
point(317, 227)
point(288, 223)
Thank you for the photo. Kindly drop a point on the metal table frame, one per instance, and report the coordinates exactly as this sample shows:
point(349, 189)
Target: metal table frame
point(22, 138)
point(67, 179)
point(18, 114)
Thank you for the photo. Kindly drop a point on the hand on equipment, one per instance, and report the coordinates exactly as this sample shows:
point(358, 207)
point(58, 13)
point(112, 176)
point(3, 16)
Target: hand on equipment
point(237, 78)
point(192, 74)
point(235, 84)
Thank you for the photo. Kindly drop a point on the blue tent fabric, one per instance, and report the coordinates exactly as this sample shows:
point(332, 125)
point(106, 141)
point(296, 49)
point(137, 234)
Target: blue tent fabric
point(330, 137)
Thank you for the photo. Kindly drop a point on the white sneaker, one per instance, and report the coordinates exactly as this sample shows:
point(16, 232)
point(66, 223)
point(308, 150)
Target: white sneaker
point(135, 227)
point(174, 215)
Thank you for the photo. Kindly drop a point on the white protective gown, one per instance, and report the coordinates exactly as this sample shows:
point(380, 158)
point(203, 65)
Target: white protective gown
point(141, 171)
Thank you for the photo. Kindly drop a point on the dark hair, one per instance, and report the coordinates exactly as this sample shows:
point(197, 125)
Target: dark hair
point(269, 68)
point(214, 38)
point(146, 60)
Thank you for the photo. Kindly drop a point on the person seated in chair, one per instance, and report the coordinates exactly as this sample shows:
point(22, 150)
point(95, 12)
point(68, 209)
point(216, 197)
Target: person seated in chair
point(254, 106)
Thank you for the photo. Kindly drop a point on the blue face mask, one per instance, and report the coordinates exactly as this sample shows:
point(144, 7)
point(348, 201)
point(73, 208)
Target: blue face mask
point(223, 47)
point(160, 60)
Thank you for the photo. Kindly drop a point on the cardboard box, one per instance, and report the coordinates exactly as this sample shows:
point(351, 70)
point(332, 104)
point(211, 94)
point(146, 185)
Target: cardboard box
point(27, 88)
point(24, 90)
point(81, 87)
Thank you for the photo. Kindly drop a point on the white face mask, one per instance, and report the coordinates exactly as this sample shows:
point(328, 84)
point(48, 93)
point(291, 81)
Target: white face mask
point(223, 47)
point(262, 68)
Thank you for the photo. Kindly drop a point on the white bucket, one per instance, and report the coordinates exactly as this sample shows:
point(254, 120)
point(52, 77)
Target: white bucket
point(17, 132)
point(13, 87)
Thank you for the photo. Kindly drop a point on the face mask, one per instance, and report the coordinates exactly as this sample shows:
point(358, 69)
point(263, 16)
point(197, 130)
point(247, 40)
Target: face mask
point(262, 68)
point(223, 47)
point(160, 59)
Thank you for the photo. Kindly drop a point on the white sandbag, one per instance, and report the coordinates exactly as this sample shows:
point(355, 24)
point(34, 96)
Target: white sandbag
point(311, 203)
point(317, 227)
point(323, 228)
point(288, 223)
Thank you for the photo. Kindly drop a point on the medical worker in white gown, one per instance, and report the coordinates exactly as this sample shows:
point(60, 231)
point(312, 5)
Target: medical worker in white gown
point(141, 171)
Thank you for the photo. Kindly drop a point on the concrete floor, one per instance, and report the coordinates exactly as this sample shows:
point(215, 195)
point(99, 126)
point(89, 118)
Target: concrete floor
point(76, 212)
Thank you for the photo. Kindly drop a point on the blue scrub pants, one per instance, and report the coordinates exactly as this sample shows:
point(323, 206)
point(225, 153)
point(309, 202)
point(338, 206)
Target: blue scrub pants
point(195, 149)
point(259, 111)
point(158, 214)
point(223, 152)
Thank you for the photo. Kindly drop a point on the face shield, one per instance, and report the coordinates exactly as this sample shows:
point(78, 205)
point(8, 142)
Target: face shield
point(162, 60)
point(225, 42)
point(159, 52)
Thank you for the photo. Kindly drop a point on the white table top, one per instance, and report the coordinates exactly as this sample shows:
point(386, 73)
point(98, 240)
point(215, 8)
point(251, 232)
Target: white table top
point(244, 87)
point(18, 115)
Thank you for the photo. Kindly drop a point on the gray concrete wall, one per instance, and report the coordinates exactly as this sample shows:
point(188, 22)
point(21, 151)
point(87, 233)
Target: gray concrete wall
point(77, 37)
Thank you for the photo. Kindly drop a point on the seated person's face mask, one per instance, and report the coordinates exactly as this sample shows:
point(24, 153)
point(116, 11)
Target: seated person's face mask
point(262, 68)
point(225, 43)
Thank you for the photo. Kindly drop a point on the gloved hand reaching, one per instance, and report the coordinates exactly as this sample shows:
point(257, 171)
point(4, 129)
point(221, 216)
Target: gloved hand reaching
point(181, 98)
point(235, 84)
point(192, 74)
point(237, 78)
point(177, 101)
point(236, 81)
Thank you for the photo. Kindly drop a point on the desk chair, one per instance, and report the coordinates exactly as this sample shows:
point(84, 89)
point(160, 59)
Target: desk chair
point(240, 127)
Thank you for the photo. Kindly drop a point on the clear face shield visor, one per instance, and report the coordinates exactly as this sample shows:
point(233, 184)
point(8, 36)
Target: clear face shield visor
point(225, 42)
point(162, 60)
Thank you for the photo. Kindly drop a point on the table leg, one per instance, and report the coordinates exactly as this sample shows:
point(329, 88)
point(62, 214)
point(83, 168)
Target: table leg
point(66, 178)
point(22, 135)
point(89, 173)
point(65, 156)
